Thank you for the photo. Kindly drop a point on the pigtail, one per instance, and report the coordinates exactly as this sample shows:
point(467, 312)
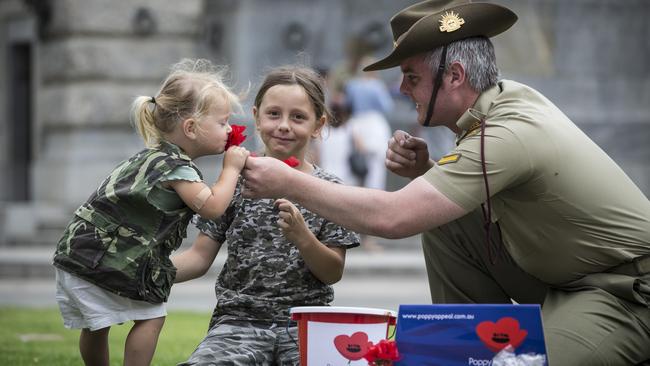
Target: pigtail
point(142, 114)
point(189, 91)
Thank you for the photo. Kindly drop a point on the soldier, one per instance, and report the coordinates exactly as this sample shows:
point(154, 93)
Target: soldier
point(279, 254)
point(525, 207)
point(112, 263)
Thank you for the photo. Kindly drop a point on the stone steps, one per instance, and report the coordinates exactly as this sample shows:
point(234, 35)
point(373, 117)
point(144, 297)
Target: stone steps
point(29, 236)
point(395, 257)
point(385, 292)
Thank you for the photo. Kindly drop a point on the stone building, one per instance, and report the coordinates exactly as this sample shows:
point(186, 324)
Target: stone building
point(70, 68)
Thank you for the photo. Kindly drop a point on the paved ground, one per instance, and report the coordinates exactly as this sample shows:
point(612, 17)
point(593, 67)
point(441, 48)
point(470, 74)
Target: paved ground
point(382, 279)
point(198, 295)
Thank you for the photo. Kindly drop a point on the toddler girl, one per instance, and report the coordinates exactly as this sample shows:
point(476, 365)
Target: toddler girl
point(113, 259)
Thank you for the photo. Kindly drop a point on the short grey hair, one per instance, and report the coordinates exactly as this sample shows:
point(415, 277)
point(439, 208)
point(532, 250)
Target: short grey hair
point(476, 54)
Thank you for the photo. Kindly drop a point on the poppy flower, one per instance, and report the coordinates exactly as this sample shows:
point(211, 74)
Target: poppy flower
point(292, 161)
point(236, 136)
point(382, 353)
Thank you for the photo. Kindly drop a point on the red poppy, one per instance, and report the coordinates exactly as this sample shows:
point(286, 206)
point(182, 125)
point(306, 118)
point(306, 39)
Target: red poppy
point(292, 161)
point(236, 136)
point(382, 353)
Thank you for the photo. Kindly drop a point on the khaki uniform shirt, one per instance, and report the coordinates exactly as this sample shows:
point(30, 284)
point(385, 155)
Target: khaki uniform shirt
point(558, 197)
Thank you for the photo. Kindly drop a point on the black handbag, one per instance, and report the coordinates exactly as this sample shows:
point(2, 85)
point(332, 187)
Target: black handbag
point(358, 160)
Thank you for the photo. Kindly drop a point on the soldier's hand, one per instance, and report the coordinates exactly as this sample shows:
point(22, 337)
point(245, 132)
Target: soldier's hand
point(235, 158)
point(266, 177)
point(407, 155)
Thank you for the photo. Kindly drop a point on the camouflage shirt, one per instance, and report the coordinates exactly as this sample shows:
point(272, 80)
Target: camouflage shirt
point(118, 239)
point(264, 274)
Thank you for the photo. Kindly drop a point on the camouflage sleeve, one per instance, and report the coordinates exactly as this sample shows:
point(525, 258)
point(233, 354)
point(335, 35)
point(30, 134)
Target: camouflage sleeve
point(183, 172)
point(166, 199)
point(332, 234)
point(205, 226)
point(335, 235)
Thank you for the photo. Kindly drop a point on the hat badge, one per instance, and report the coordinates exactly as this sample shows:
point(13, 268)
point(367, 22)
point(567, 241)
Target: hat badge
point(450, 22)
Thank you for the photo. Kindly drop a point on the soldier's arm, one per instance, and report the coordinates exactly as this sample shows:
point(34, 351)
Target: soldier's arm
point(196, 261)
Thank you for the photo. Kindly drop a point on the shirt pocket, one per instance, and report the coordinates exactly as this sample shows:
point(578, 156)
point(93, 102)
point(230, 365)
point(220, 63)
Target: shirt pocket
point(89, 243)
point(155, 278)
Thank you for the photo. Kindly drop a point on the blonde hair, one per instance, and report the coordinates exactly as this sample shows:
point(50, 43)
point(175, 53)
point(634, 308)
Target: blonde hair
point(189, 91)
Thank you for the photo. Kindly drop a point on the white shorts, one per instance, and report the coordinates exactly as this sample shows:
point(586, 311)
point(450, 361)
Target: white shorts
point(84, 305)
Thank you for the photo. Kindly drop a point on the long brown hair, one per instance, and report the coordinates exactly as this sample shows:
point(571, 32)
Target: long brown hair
point(305, 77)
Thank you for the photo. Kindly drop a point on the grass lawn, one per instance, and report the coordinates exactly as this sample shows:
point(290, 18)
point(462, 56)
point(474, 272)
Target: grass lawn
point(37, 337)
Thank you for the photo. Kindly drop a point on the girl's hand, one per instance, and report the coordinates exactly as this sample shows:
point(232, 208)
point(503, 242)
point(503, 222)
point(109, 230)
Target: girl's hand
point(291, 222)
point(235, 158)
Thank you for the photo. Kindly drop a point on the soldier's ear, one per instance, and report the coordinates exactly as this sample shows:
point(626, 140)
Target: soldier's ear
point(189, 127)
point(457, 72)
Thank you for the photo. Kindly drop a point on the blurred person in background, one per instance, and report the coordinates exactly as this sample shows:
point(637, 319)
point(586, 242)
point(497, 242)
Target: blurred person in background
point(369, 102)
point(362, 101)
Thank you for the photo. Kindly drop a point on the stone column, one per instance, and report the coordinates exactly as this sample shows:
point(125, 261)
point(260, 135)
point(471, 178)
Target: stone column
point(96, 56)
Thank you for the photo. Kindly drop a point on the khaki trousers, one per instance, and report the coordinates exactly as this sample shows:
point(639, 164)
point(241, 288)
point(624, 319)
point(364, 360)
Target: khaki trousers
point(587, 327)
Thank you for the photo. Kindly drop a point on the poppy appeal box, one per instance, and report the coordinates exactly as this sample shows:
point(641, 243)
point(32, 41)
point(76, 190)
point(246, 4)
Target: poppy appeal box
point(470, 335)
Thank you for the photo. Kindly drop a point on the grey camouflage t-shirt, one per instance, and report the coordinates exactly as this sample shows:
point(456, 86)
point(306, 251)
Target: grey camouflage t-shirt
point(264, 274)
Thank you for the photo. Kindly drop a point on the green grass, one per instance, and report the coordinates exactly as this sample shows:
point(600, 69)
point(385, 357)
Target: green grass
point(57, 346)
point(53, 345)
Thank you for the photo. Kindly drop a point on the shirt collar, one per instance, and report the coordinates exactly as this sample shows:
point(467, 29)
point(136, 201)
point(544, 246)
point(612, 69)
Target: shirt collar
point(472, 116)
point(173, 149)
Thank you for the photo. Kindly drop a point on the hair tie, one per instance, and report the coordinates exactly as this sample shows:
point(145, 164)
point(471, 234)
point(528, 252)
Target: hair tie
point(153, 100)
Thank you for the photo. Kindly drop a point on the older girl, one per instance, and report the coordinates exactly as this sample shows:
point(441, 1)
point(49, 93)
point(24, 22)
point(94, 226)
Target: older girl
point(279, 254)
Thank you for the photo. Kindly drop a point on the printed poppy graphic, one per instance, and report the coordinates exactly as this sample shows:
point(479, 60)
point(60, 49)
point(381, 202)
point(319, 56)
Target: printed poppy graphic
point(497, 336)
point(292, 161)
point(236, 136)
point(352, 347)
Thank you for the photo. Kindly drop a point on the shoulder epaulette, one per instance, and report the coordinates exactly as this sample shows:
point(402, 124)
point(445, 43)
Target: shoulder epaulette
point(471, 131)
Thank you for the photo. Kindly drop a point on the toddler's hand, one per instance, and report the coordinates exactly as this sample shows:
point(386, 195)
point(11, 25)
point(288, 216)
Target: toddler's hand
point(235, 158)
